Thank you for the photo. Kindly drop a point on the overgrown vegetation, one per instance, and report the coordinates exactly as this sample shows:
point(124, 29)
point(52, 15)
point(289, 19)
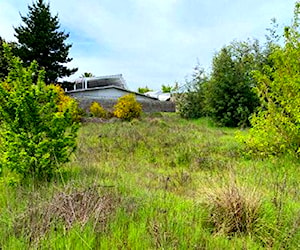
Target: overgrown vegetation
point(253, 86)
point(226, 94)
point(276, 127)
point(158, 182)
point(38, 122)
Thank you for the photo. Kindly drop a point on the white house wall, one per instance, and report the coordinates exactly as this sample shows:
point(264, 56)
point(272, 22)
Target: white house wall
point(110, 93)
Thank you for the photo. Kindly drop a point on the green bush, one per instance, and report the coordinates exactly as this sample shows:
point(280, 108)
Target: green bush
point(38, 122)
point(97, 110)
point(276, 126)
point(127, 108)
point(191, 103)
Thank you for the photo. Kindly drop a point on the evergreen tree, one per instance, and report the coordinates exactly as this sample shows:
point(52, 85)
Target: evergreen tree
point(40, 39)
point(231, 99)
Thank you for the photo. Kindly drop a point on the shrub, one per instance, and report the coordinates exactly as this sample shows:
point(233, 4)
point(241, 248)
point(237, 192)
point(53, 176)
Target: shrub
point(38, 122)
point(191, 103)
point(97, 110)
point(127, 108)
point(65, 102)
point(275, 128)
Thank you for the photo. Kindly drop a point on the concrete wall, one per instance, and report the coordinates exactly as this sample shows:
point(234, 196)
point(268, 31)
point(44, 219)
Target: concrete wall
point(148, 106)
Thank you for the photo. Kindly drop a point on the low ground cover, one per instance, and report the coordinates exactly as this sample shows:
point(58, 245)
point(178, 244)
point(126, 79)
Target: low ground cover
point(159, 182)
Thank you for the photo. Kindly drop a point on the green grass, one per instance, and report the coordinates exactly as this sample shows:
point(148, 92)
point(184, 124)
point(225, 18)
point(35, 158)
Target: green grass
point(168, 183)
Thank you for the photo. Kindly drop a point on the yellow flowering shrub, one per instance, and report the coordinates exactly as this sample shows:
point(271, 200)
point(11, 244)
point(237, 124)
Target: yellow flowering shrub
point(127, 108)
point(97, 110)
point(65, 102)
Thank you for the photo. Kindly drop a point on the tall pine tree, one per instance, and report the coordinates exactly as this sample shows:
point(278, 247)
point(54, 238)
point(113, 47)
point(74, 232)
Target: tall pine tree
point(40, 39)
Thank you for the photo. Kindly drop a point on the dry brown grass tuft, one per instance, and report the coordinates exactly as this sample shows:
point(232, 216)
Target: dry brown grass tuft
point(233, 209)
point(66, 208)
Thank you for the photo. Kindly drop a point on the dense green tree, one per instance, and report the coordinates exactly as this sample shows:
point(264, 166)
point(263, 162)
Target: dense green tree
point(230, 96)
point(40, 39)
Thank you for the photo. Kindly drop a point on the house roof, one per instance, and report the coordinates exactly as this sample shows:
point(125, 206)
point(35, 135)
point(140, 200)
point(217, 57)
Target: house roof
point(159, 95)
point(100, 81)
point(110, 87)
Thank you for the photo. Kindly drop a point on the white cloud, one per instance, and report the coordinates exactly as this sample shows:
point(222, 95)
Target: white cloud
point(8, 16)
point(151, 42)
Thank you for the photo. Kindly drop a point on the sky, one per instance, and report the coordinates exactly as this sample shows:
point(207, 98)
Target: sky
point(151, 42)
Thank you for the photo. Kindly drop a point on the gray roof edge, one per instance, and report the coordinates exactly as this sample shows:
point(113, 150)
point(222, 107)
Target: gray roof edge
point(109, 87)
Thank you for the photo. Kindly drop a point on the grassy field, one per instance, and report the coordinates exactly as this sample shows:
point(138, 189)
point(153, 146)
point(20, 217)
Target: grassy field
point(157, 183)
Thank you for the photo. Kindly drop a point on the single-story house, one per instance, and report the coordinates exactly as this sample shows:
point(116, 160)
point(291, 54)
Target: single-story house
point(107, 92)
point(107, 89)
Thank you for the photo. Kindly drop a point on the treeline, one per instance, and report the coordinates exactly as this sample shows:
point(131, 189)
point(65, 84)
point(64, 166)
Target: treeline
point(253, 85)
point(227, 93)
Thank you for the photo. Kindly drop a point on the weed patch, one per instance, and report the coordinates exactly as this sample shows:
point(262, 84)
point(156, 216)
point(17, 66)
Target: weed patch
point(67, 208)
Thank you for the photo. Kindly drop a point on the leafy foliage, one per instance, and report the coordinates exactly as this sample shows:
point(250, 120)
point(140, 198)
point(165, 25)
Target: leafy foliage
point(127, 108)
point(97, 110)
point(3, 62)
point(3, 59)
point(38, 122)
point(166, 88)
point(40, 39)
point(87, 74)
point(143, 90)
point(276, 126)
